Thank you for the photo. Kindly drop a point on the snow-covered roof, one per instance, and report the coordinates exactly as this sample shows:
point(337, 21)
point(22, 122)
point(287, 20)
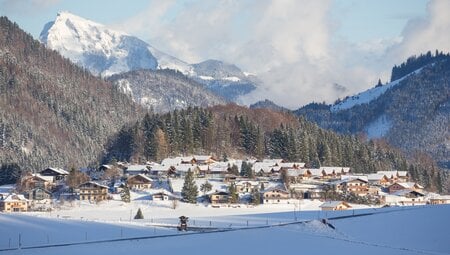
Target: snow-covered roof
point(335, 169)
point(410, 185)
point(93, 183)
point(291, 164)
point(216, 169)
point(333, 204)
point(404, 192)
point(185, 167)
point(281, 188)
point(375, 177)
point(293, 172)
point(143, 177)
point(44, 178)
point(14, 197)
point(315, 172)
point(265, 167)
point(253, 183)
point(202, 157)
point(394, 173)
point(57, 170)
point(137, 168)
point(273, 161)
point(175, 161)
point(354, 177)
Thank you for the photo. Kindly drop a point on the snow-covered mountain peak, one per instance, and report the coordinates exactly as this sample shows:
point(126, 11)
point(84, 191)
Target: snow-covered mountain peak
point(106, 52)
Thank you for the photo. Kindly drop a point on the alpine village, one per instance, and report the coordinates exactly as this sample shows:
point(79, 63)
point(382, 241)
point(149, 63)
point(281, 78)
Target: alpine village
point(98, 145)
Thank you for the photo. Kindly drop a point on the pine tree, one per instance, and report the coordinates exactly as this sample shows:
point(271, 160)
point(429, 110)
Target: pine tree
point(189, 191)
point(205, 187)
point(234, 196)
point(246, 170)
point(125, 194)
point(256, 197)
point(234, 170)
point(139, 215)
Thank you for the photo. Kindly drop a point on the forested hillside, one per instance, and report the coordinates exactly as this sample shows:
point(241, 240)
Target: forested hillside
point(413, 115)
point(164, 90)
point(52, 113)
point(234, 131)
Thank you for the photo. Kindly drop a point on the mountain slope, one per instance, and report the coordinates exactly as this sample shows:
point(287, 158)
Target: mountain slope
point(164, 90)
point(106, 52)
point(53, 113)
point(411, 113)
point(224, 79)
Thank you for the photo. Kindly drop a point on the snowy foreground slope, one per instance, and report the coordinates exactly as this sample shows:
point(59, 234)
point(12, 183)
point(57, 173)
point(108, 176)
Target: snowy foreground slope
point(418, 230)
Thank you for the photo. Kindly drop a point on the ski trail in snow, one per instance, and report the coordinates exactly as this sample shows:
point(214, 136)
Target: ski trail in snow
point(318, 229)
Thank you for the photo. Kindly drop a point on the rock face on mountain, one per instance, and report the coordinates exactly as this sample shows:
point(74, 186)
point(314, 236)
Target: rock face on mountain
point(164, 90)
point(412, 112)
point(106, 52)
point(53, 113)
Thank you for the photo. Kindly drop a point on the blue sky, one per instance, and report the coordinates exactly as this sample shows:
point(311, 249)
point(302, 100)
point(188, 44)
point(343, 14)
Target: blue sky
point(302, 46)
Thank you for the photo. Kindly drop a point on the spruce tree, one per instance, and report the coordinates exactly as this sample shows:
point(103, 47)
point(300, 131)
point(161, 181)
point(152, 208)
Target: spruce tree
point(189, 192)
point(255, 198)
point(205, 187)
point(125, 194)
point(234, 196)
point(139, 215)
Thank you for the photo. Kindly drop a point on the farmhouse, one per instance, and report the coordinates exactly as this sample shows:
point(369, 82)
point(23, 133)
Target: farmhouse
point(404, 185)
point(276, 195)
point(93, 191)
point(219, 197)
point(13, 203)
point(139, 182)
point(439, 200)
point(334, 206)
point(404, 197)
point(58, 174)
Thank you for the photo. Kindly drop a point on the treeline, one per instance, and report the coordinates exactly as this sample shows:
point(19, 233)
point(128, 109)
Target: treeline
point(413, 63)
point(237, 132)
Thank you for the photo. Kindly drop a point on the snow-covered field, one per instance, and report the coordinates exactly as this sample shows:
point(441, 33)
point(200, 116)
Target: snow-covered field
point(417, 230)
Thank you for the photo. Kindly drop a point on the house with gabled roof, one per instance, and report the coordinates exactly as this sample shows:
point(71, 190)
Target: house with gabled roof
point(219, 197)
point(13, 203)
point(139, 182)
point(396, 176)
point(137, 169)
point(276, 195)
point(92, 191)
point(404, 197)
point(333, 172)
point(32, 181)
point(378, 179)
point(404, 185)
point(58, 174)
point(164, 195)
point(335, 206)
point(298, 175)
point(203, 159)
point(247, 186)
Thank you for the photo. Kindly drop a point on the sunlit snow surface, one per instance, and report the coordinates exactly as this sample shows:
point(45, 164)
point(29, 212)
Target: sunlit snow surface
point(418, 230)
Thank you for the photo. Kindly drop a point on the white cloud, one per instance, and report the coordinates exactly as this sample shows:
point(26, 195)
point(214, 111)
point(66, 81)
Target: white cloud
point(425, 34)
point(289, 44)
